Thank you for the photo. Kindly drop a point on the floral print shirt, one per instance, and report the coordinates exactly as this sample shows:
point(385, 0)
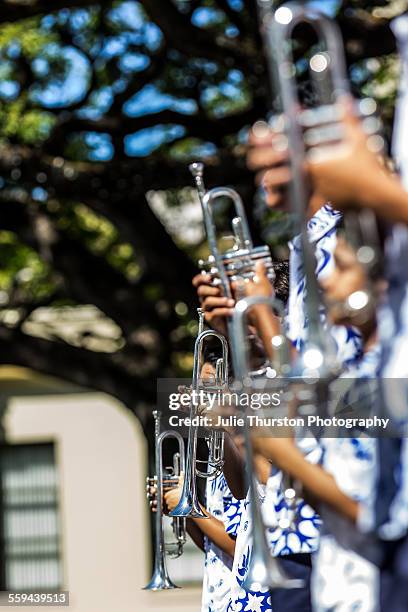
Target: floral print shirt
point(217, 566)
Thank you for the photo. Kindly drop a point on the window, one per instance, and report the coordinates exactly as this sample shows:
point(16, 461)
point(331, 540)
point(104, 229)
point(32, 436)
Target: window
point(30, 556)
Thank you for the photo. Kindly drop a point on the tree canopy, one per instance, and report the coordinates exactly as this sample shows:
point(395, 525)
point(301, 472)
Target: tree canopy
point(102, 106)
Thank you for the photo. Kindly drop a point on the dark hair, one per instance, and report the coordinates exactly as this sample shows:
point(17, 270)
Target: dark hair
point(281, 283)
point(211, 354)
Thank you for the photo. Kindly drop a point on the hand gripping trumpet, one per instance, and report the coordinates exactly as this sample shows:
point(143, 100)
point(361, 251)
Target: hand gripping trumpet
point(239, 261)
point(263, 569)
point(189, 504)
point(165, 477)
point(317, 132)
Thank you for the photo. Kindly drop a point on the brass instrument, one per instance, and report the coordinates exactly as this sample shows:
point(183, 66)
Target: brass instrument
point(215, 439)
point(215, 461)
point(165, 477)
point(264, 569)
point(189, 504)
point(239, 261)
point(317, 132)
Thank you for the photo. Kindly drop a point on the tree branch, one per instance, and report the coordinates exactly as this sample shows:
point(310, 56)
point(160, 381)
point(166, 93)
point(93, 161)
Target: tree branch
point(233, 16)
point(198, 125)
point(188, 38)
point(109, 373)
point(140, 80)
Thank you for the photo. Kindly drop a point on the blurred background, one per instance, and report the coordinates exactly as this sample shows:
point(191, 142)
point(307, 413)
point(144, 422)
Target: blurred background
point(102, 107)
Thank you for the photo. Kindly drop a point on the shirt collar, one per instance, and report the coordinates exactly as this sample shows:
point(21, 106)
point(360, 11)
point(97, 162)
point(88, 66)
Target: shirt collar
point(318, 226)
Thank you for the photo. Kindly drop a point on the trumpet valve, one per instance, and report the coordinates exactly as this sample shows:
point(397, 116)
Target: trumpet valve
point(239, 263)
point(323, 125)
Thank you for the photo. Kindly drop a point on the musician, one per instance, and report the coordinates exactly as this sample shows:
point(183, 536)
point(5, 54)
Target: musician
point(322, 230)
point(344, 181)
point(261, 599)
point(271, 166)
point(218, 539)
point(294, 546)
point(357, 178)
point(216, 534)
point(344, 574)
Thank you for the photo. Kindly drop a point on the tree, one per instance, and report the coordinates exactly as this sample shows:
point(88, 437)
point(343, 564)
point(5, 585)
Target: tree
point(102, 105)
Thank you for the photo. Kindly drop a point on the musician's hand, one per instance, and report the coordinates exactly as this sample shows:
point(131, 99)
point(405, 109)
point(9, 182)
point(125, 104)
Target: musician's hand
point(347, 174)
point(216, 307)
point(260, 285)
point(270, 165)
point(172, 496)
point(262, 468)
point(280, 451)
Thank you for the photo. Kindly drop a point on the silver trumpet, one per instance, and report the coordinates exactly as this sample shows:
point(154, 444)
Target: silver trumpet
point(239, 261)
point(317, 132)
point(168, 477)
point(264, 570)
point(215, 461)
point(189, 504)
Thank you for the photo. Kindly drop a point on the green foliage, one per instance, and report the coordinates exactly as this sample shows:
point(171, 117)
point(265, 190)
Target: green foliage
point(27, 126)
point(100, 236)
point(22, 42)
point(23, 270)
point(27, 35)
point(383, 83)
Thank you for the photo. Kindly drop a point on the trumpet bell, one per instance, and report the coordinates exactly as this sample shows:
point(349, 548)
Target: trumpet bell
point(188, 506)
point(160, 581)
point(264, 570)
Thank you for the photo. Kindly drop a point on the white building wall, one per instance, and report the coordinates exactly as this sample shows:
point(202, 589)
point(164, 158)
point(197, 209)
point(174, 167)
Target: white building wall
point(101, 456)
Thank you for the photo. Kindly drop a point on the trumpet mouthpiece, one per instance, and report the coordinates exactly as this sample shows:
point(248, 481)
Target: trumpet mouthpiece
point(196, 169)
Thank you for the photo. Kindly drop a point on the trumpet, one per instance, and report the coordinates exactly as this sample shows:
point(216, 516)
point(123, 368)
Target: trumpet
point(160, 579)
point(215, 461)
point(215, 439)
point(317, 132)
point(264, 570)
point(239, 261)
point(188, 504)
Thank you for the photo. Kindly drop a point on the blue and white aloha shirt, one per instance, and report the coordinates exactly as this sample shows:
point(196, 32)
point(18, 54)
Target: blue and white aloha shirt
point(241, 600)
point(321, 230)
point(302, 536)
point(221, 504)
point(344, 576)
